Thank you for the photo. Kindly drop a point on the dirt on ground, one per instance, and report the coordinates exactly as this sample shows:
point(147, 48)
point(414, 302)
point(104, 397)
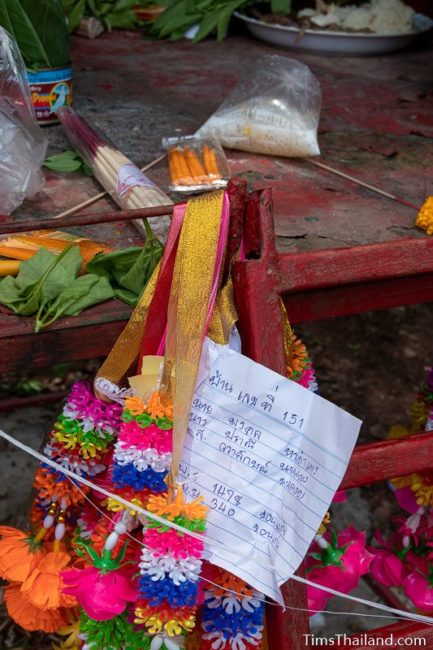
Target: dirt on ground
point(370, 364)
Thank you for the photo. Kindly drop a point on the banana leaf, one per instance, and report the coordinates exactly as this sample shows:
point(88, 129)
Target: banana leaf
point(40, 29)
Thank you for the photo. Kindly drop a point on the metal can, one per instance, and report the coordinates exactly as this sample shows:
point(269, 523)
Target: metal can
point(51, 88)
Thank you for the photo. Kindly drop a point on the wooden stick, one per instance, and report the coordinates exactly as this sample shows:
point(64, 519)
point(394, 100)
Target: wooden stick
point(98, 197)
point(358, 182)
point(86, 219)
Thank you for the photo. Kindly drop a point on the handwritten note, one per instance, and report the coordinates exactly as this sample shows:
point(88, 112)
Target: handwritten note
point(268, 456)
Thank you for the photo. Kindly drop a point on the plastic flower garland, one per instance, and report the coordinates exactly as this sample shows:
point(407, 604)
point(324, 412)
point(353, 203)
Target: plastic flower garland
point(32, 561)
point(79, 574)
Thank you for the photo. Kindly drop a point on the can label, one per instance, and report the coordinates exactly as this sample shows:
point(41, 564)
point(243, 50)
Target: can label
point(50, 89)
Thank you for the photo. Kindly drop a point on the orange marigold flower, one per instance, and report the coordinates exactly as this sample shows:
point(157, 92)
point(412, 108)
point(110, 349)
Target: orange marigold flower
point(134, 405)
point(18, 557)
point(30, 617)
point(424, 219)
point(299, 358)
point(43, 588)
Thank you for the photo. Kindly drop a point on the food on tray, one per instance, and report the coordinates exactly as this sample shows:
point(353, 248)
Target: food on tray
point(377, 16)
point(383, 17)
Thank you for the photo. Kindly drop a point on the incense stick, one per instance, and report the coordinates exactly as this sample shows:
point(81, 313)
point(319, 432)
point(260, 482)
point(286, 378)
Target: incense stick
point(359, 182)
point(101, 195)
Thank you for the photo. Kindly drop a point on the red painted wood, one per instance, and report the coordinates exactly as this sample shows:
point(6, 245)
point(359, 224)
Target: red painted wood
point(257, 295)
point(358, 298)
point(84, 219)
point(259, 283)
point(379, 461)
point(58, 345)
point(335, 267)
point(398, 632)
point(12, 403)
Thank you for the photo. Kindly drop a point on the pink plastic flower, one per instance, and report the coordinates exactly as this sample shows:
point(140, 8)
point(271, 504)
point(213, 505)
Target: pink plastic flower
point(419, 590)
point(170, 542)
point(406, 499)
point(340, 567)
point(101, 595)
point(387, 568)
point(132, 435)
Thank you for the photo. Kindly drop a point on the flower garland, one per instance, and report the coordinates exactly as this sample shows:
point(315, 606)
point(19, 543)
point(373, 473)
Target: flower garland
point(153, 606)
point(32, 561)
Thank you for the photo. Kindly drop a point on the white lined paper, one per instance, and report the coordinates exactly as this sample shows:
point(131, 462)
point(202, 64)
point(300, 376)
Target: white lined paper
point(268, 456)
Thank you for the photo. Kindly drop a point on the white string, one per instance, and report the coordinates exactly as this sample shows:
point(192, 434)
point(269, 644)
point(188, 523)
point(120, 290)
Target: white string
point(400, 613)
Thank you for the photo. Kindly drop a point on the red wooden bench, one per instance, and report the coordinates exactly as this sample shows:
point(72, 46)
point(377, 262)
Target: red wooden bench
point(322, 285)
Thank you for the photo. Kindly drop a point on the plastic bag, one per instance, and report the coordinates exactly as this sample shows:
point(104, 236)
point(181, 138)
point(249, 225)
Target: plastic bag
point(274, 109)
point(196, 164)
point(22, 144)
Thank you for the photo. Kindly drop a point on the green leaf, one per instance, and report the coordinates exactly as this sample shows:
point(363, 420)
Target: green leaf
point(128, 270)
point(84, 291)
point(31, 270)
point(75, 14)
point(114, 263)
point(67, 161)
point(32, 48)
point(281, 7)
point(139, 274)
point(63, 273)
point(9, 293)
point(41, 32)
point(122, 20)
point(100, 292)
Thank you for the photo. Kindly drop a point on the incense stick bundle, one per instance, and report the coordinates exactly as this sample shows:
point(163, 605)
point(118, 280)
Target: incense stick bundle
point(123, 180)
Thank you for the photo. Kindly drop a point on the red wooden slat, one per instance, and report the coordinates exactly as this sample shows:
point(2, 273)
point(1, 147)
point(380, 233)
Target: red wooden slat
point(358, 298)
point(380, 461)
point(58, 345)
point(334, 267)
point(398, 632)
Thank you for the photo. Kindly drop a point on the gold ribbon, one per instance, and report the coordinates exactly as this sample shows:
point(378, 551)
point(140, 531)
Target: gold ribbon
point(125, 351)
point(187, 311)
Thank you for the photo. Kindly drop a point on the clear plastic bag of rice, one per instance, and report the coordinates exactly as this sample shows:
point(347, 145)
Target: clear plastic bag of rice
point(274, 110)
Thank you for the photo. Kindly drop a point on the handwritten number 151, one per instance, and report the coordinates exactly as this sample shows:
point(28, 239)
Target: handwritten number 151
point(293, 419)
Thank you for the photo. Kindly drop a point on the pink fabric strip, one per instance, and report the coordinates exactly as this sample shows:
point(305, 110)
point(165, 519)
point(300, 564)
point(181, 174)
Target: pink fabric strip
point(179, 211)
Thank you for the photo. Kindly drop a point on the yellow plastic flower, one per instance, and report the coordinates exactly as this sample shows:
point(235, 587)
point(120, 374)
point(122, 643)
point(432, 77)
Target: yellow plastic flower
point(115, 506)
point(154, 625)
point(72, 631)
point(424, 219)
